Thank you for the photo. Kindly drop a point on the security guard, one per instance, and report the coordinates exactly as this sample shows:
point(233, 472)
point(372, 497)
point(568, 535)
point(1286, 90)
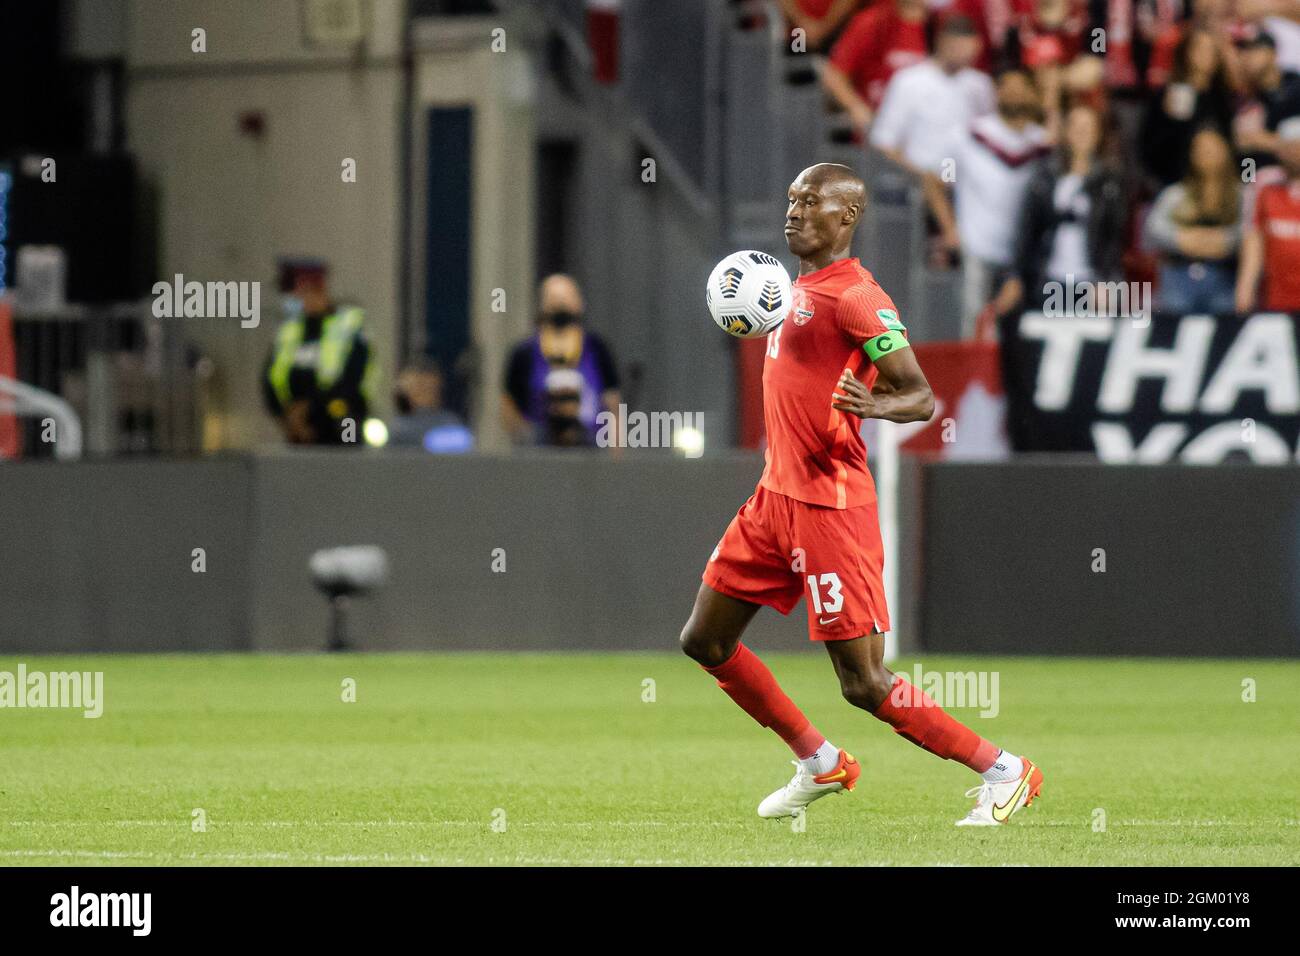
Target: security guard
point(319, 377)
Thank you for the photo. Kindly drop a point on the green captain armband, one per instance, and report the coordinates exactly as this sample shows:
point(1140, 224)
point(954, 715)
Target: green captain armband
point(883, 344)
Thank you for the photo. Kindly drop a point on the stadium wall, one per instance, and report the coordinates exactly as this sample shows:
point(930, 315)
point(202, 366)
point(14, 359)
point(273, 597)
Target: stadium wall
point(603, 554)
point(599, 554)
point(98, 556)
point(1078, 557)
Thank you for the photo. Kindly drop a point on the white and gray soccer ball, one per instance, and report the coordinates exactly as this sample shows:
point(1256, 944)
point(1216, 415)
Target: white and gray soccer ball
point(749, 294)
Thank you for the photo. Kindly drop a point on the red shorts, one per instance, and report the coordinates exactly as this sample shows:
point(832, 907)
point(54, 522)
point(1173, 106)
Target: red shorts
point(777, 548)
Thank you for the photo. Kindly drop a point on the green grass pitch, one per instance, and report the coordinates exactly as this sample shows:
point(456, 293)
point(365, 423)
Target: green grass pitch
point(557, 759)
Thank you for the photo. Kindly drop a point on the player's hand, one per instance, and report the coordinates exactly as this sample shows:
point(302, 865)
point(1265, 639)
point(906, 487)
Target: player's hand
point(853, 397)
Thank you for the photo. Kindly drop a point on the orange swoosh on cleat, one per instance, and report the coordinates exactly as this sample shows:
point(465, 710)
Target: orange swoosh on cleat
point(846, 773)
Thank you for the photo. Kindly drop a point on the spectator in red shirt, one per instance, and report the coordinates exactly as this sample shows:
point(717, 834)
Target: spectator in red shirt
point(875, 45)
point(820, 20)
point(1050, 33)
point(1271, 248)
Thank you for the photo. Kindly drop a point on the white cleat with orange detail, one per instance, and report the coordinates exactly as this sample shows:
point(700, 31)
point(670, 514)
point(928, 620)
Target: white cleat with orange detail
point(805, 787)
point(996, 802)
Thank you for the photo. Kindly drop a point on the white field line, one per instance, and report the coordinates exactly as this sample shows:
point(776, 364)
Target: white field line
point(376, 824)
point(399, 858)
point(575, 825)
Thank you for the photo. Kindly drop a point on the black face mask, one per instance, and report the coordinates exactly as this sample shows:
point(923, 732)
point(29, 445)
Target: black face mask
point(563, 319)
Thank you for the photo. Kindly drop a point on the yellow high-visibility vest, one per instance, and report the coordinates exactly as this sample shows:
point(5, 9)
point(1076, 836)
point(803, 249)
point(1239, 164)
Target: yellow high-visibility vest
point(338, 332)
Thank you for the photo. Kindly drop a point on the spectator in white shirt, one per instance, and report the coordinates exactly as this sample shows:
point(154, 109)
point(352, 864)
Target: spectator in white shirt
point(988, 164)
point(925, 102)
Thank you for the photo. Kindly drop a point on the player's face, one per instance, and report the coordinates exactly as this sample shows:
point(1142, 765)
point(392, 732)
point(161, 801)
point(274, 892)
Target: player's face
point(813, 218)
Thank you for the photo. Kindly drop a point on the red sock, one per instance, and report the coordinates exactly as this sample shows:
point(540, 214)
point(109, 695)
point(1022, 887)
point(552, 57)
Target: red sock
point(914, 714)
point(750, 684)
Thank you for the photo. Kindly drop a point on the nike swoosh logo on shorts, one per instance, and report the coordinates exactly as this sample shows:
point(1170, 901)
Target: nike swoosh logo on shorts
point(828, 620)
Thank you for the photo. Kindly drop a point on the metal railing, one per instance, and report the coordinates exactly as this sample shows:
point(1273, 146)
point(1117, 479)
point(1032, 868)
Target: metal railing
point(115, 379)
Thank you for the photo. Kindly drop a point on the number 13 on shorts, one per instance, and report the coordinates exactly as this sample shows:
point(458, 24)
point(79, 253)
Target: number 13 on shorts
point(829, 584)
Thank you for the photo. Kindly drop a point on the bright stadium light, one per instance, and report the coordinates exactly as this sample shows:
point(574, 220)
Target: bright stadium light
point(689, 441)
point(375, 432)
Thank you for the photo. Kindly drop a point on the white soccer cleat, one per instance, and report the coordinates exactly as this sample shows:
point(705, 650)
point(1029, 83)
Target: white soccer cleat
point(996, 802)
point(805, 787)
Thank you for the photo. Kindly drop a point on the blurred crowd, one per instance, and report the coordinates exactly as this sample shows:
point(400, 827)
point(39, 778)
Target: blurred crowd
point(1064, 149)
point(1076, 142)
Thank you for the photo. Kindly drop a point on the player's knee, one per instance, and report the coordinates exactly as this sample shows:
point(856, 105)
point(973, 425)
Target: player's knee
point(856, 690)
point(865, 689)
point(691, 641)
point(703, 647)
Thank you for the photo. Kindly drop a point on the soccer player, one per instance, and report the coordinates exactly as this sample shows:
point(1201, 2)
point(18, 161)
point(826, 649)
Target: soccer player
point(840, 356)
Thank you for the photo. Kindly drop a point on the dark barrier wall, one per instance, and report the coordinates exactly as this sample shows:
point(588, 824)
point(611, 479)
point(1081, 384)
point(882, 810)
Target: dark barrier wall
point(599, 554)
point(97, 556)
point(1198, 560)
point(606, 555)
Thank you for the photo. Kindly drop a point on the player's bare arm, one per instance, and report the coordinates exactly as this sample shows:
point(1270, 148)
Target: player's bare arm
point(901, 393)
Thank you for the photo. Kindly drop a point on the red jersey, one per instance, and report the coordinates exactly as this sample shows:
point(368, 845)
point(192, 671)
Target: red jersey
point(875, 45)
point(1277, 217)
point(815, 453)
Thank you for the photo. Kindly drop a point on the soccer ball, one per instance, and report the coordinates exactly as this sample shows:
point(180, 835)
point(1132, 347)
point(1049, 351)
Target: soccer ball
point(748, 294)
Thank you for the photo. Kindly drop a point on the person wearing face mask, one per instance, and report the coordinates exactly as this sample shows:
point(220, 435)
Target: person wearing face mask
point(561, 378)
point(994, 157)
point(319, 377)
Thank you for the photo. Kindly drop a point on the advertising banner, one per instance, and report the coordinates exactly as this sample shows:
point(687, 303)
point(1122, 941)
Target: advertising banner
point(1199, 389)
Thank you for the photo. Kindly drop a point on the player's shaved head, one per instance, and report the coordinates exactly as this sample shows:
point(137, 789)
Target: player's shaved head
point(836, 179)
point(825, 205)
